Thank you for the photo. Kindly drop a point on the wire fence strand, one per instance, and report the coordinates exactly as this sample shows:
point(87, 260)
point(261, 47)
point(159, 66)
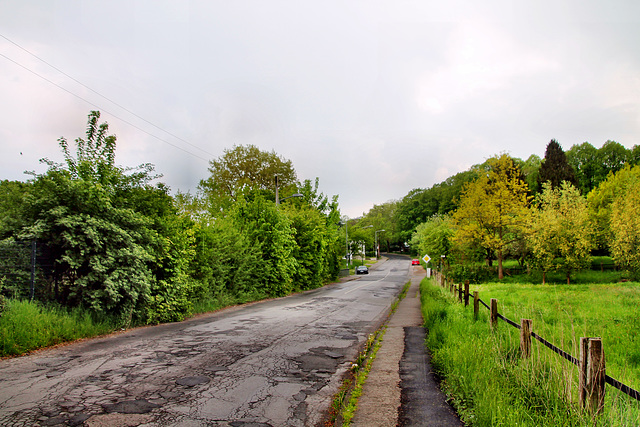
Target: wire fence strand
point(609, 380)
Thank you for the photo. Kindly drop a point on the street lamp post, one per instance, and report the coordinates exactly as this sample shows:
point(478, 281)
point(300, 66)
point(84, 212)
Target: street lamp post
point(278, 199)
point(377, 247)
point(364, 248)
point(346, 239)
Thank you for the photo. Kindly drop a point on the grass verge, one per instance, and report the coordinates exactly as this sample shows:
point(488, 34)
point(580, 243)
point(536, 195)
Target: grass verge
point(488, 382)
point(27, 326)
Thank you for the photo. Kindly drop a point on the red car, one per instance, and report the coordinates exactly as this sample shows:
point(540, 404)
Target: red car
point(415, 262)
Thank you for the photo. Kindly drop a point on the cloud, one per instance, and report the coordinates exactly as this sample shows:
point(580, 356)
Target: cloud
point(374, 98)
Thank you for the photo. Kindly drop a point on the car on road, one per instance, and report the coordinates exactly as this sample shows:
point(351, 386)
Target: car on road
point(362, 269)
point(415, 262)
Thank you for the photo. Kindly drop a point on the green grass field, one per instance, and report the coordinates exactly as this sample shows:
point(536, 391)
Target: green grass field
point(490, 384)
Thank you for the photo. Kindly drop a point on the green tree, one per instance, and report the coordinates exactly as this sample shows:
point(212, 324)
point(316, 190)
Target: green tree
point(611, 158)
point(493, 209)
point(554, 167)
point(560, 232)
point(270, 234)
point(584, 160)
point(421, 204)
point(531, 170)
point(381, 217)
point(101, 251)
point(12, 200)
point(118, 244)
point(625, 228)
point(601, 199)
point(434, 237)
point(243, 169)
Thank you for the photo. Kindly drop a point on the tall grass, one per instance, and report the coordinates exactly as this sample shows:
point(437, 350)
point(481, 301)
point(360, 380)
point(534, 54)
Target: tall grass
point(490, 384)
point(27, 326)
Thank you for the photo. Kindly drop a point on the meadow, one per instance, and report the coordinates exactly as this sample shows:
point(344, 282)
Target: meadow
point(489, 383)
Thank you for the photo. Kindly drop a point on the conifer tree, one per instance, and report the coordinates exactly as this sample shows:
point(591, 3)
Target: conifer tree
point(555, 167)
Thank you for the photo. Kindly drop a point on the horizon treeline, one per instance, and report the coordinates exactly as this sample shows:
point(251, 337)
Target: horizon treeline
point(489, 212)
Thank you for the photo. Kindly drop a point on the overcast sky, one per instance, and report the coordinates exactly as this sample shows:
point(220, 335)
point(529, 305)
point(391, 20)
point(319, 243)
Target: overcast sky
point(373, 97)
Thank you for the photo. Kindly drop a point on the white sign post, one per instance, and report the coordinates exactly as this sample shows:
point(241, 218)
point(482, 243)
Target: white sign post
point(426, 260)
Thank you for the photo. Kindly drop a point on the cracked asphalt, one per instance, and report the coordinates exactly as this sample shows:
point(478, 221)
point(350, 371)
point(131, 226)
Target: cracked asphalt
point(273, 363)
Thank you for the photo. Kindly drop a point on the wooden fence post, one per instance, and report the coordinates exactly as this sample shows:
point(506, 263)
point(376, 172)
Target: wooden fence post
point(466, 293)
point(476, 304)
point(525, 337)
point(494, 313)
point(460, 292)
point(592, 374)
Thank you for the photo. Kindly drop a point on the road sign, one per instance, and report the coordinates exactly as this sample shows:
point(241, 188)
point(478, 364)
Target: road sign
point(426, 259)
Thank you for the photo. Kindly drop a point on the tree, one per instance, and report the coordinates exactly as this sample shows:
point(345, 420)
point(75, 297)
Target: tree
point(243, 169)
point(601, 199)
point(583, 159)
point(493, 209)
point(381, 217)
point(118, 243)
point(269, 232)
point(101, 252)
point(611, 158)
point(13, 195)
point(420, 204)
point(560, 233)
point(434, 237)
point(554, 167)
point(531, 170)
point(625, 228)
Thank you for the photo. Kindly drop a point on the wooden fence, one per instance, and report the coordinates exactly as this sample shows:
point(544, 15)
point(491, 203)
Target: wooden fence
point(591, 364)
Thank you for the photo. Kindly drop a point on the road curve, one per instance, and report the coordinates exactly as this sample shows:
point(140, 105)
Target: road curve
point(273, 363)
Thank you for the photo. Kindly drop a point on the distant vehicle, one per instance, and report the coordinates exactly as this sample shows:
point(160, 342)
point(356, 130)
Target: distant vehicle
point(362, 269)
point(415, 262)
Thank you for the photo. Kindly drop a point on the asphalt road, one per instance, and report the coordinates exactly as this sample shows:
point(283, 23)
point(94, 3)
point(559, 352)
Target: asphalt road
point(273, 363)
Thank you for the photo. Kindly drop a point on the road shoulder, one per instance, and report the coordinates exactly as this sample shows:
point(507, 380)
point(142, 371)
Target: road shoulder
point(401, 388)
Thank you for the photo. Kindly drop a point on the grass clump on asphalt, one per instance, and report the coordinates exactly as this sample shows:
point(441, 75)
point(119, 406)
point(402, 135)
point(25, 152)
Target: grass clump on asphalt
point(487, 381)
point(26, 326)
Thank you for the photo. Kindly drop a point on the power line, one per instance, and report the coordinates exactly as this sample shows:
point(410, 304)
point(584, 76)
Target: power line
point(104, 97)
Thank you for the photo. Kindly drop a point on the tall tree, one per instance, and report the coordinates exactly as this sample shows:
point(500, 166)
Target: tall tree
point(531, 170)
point(601, 201)
point(243, 169)
point(433, 237)
point(584, 160)
point(611, 157)
point(493, 209)
point(560, 232)
point(625, 227)
point(555, 167)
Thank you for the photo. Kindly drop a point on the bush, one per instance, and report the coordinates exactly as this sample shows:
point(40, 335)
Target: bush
point(474, 273)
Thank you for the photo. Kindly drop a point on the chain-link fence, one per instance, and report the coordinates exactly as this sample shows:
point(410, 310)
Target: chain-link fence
point(24, 270)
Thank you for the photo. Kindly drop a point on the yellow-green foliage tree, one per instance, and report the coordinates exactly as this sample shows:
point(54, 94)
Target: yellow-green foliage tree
point(433, 237)
point(560, 232)
point(493, 209)
point(601, 201)
point(625, 228)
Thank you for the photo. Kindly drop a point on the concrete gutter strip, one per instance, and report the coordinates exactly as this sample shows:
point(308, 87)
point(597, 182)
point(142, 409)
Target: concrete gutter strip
point(401, 388)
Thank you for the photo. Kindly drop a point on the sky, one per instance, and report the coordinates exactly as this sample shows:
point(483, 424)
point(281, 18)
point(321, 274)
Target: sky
point(374, 98)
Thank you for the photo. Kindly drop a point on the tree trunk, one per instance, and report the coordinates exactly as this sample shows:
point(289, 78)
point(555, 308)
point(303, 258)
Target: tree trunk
point(500, 272)
point(544, 276)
